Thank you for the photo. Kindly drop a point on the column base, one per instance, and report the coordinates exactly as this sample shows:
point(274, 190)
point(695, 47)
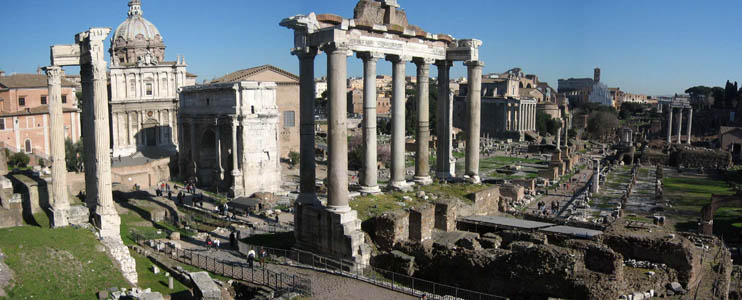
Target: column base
point(423, 180)
point(108, 223)
point(60, 217)
point(400, 186)
point(331, 232)
point(306, 198)
point(237, 190)
point(370, 190)
point(446, 176)
point(472, 179)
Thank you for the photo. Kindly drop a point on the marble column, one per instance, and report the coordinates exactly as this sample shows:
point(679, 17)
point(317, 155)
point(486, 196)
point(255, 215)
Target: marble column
point(474, 111)
point(235, 156)
point(669, 124)
point(422, 139)
point(337, 131)
point(370, 174)
point(690, 124)
point(307, 163)
point(193, 167)
point(93, 69)
point(59, 204)
point(565, 127)
point(444, 148)
point(679, 125)
point(398, 180)
point(509, 117)
point(559, 138)
point(218, 144)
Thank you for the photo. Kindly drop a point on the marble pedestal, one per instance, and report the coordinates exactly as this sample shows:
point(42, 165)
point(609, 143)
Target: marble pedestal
point(326, 232)
point(59, 217)
point(400, 186)
point(370, 190)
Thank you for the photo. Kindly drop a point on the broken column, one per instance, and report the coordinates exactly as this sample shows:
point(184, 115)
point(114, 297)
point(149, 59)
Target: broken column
point(474, 111)
point(59, 204)
point(422, 165)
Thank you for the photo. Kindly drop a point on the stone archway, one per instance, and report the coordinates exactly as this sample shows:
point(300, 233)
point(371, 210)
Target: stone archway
point(206, 157)
point(151, 133)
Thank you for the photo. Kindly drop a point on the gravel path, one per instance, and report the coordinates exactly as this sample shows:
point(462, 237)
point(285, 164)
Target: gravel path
point(324, 286)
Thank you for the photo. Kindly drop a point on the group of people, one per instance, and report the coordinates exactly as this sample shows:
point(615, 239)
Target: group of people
point(251, 257)
point(553, 209)
point(211, 244)
point(162, 189)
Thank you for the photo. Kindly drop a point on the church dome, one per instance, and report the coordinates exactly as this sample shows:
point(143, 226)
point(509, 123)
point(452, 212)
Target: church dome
point(135, 37)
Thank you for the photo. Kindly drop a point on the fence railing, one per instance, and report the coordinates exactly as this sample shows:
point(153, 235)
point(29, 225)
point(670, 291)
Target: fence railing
point(369, 274)
point(278, 281)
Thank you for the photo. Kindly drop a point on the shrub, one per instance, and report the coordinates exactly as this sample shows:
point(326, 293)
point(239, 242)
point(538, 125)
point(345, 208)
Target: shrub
point(18, 160)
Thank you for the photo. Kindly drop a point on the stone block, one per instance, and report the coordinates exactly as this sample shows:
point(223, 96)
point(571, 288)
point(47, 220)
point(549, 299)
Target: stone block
point(204, 287)
point(331, 233)
point(422, 220)
point(490, 241)
point(390, 228)
point(445, 215)
point(78, 215)
point(515, 192)
point(396, 261)
point(486, 201)
point(175, 236)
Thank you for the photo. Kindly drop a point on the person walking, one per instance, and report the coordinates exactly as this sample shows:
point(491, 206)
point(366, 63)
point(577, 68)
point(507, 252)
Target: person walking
point(218, 243)
point(251, 258)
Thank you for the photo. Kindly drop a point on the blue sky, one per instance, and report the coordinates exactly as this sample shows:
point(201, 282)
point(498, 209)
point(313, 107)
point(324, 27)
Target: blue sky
point(653, 47)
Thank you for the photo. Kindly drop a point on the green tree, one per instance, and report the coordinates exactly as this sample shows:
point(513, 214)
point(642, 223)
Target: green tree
point(411, 110)
point(294, 158)
point(546, 124)
point(601, 123)
point(18, 160)
point(74, 155)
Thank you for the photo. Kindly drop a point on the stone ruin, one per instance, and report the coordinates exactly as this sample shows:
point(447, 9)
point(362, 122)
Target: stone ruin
point(378, 30)
point(11, 206)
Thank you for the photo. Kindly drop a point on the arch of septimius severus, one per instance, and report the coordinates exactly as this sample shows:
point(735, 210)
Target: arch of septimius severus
point(379, 29)
point(88, 53)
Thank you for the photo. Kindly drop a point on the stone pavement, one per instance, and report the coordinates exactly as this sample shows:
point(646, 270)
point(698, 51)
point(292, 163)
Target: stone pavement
point(324, 285)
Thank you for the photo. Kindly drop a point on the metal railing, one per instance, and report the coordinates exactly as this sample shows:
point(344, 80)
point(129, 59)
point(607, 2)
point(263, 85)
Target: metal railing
point(366, 273)
point(278, 281)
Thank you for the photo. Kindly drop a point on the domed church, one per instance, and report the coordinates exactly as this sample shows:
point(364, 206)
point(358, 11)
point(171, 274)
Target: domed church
point(144, 88)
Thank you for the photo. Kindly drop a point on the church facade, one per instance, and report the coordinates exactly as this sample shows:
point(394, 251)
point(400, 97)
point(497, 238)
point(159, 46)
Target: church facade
point(143, 88)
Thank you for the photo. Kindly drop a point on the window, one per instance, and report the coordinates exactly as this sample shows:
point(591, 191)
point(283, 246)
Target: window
point(288, 119)
point(148, 88)
point(21, 101)
point(43, 100)
point(2, 124)
point(132, 88)
point(28, 146)
point(64, 99)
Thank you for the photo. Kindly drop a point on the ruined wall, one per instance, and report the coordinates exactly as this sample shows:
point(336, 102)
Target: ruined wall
point(421, 223)
point(515, 192)
point(697, 157)
point(445, 215)
point(388, 229)
point(487, 201)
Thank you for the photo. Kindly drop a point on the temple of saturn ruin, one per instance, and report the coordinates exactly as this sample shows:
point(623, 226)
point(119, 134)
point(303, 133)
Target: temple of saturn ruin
point(379, 29)
point(88, 53)
point(680, 105)
point(229, 136)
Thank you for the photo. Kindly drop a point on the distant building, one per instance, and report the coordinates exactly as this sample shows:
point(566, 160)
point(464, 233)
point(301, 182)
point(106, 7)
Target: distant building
point(635, 98)
point(229, 138)
point(287, 99)
point(320, 87)
point(24, 113)
point(601, 94)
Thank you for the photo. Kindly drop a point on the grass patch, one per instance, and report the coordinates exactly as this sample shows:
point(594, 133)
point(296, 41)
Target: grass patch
point(62, 263)
point(279, 240)
point(157, 282)
point(689, 194)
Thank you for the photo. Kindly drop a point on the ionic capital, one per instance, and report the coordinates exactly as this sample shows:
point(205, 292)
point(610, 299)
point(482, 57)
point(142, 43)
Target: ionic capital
point(305, 52)
point(443, 63)
point(335, 47)
point(474, 63)
point(398, 58)
point(423, 61)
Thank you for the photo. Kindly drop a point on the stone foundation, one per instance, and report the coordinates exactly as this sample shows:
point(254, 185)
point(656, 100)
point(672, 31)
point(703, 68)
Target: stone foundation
point(78, 215)
point(120, 254)
point(422, 220)
point(336, 234)
point(445, 215)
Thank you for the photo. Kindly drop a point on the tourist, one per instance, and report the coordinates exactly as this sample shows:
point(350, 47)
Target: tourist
point(218, 243)
point(167, 187)
point(251, 258)
point(169, 195)
point(208, 243)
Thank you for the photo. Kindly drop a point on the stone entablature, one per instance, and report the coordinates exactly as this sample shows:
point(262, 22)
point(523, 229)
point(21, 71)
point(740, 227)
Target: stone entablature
point(219, 120)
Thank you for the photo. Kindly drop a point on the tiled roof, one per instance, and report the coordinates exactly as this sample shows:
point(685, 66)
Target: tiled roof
point(20, 81)
point(244, 74)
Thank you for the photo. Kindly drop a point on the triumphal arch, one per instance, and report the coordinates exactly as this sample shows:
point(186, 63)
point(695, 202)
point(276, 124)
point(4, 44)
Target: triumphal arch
point(378, 30)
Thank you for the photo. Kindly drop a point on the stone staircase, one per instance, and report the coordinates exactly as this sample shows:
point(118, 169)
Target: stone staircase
point(120, 253)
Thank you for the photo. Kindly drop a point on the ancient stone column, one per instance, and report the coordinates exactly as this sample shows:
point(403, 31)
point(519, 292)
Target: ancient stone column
point(93, 69)
point(509, 118)
point(559, 138)
point(444, 149)
point(237, 189)
point(218, 144)
point(422, 139)
point(690, 123)
point(474, 111)
point(596, 177)
point(59, 204)
point(669, 124)
point(679, 125)
point(398, 180)
point(307, 162)
point(193, 169)
point(565, 125)
point(337, 131)
point(370, 175)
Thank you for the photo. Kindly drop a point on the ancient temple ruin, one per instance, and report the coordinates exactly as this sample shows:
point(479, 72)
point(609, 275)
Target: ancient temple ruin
point(378, 30)
point(230, 136)
point(88, 53)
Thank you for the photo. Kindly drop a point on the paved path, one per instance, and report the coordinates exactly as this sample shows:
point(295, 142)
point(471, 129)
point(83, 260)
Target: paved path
point(563, 196)
point(324, 285)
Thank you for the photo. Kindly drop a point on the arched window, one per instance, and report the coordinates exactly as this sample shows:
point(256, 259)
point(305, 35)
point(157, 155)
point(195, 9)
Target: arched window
point(28, 146)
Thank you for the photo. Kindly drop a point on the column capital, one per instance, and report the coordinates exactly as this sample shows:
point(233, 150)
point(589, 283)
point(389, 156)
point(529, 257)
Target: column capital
point(474, 63)
point(370, 56)
point(444, 63)
point(53, 74)
point(304, 52)
point(332, 47)
point(423, 61)
point(398, 58)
